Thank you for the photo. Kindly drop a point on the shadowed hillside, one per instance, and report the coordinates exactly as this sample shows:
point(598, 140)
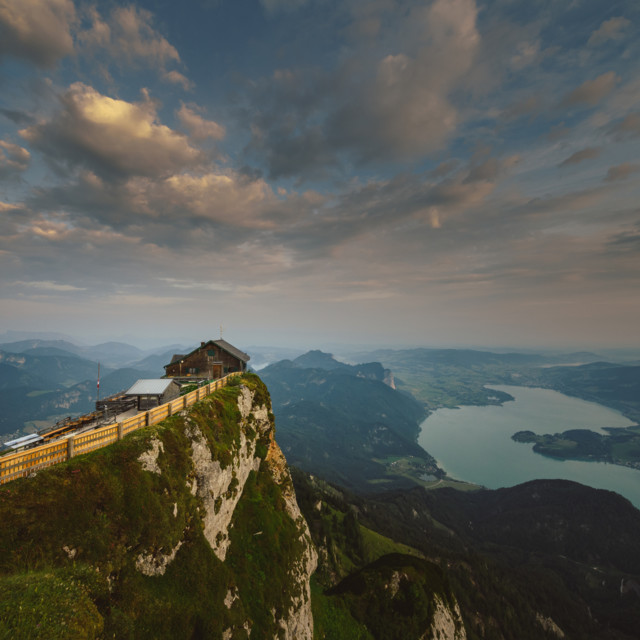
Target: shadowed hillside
point(531, 562)
point(345, 423)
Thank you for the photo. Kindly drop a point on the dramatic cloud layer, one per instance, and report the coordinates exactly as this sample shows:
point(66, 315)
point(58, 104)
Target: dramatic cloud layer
point(197, 126)
point(129, 37)
point(433, 172)
point(113, 137)
point(37, 30)
point(612, 29)
point(592, 91)
point(13, 158)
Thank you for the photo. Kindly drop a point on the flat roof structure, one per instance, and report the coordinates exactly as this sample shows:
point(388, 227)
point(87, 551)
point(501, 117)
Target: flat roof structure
point(152, 393)
point(149, 387)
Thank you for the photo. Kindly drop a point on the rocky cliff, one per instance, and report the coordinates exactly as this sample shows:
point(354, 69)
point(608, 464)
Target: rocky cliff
point(187, 529)
point(191, 529)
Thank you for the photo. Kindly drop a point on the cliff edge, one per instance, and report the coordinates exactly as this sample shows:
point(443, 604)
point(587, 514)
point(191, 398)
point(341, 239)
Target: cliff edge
point(186, 529)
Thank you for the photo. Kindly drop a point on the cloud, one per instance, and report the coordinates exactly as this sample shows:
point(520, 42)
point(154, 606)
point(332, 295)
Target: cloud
point(415, 202)
point(6, 206)
point(374, 107)
point(612, 29)
point(406, 110)
point(592, 91)
point(13, 159)
point(183, 209)
point(227, 198)
point(18, 117)
point(580, 156)
point(220, 287)
point(112, 137)
point(444, 168)
point(622, 171)
point(128, 36)
point(626, 242)
point(125, 236)
point(47, 285)
point(175, 77)
point(527, 53)
point(195, 211)
point(628, 127)
point(37, 30)
point(198, 127)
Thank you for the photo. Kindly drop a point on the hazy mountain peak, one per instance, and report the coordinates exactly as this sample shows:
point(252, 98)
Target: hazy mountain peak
point(316, 359)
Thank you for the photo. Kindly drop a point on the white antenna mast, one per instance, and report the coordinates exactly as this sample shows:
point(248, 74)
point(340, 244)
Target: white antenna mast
point(221, 329)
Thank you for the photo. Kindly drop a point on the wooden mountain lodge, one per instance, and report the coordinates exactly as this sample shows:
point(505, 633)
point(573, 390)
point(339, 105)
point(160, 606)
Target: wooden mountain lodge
point(210, 361)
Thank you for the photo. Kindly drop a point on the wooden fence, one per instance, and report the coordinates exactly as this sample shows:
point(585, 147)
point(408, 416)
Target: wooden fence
point(21, 464)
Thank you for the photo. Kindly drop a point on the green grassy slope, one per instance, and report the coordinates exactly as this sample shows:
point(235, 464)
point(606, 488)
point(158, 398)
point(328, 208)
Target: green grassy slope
point(70, 537)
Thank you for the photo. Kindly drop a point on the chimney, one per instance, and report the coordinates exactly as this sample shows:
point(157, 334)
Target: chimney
point(202, 344)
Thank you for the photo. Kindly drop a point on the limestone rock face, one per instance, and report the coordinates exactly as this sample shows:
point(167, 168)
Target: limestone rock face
point(298, 621)
point(220, 490)
point(219, 487)
point(549, 625)
point(156, 564)
point(447, 623)
point(188, 528)
point(149, 459)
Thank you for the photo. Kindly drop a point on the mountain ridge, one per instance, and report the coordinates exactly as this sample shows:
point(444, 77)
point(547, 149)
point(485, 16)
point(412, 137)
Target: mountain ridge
point(186, 529)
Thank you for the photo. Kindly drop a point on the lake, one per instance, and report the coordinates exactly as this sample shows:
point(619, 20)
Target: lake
point(474, 443)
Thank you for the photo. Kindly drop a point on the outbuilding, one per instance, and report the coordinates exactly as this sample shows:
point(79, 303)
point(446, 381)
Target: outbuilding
point(152, 393)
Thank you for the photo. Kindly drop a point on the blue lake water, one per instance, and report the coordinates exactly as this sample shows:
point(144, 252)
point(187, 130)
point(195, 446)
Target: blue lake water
point(474, 443)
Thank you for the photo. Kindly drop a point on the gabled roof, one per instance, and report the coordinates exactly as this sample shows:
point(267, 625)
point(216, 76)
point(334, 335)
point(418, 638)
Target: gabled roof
point(223, 344)
point(149, 387)
point(229, 348)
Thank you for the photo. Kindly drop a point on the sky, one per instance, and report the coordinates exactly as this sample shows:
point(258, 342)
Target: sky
point(394, 172)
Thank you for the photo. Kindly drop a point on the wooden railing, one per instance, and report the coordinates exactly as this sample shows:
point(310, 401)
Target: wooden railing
point(21, 464)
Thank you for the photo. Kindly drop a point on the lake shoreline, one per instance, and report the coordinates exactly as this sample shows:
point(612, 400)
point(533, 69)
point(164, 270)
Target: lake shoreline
point(586, 445)
point(473, 443)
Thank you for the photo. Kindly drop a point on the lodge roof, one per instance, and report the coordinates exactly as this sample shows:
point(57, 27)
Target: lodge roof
point(229, 348)
point(223, 344)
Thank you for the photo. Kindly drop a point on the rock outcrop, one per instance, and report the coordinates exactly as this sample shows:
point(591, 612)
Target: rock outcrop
point(447, 622)
point(186, 529)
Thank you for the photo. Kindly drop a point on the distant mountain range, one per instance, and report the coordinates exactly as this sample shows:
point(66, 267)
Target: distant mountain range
point(451, 377)
point(15, 336)
point(613, 385)
point(110, 354)
point(33, 404)
point(42, 380)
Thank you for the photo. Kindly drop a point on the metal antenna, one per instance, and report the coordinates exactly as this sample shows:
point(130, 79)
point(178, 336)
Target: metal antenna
point(221, 328)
